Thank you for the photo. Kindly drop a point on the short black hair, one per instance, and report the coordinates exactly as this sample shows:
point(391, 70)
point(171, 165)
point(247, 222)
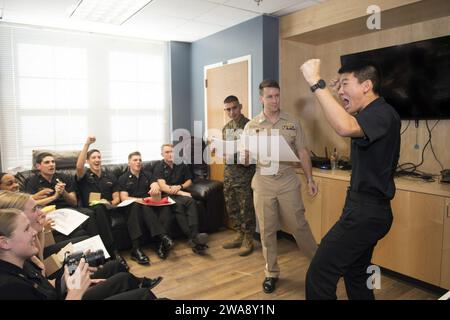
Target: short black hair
point(268, 83)
point(40, 157)
point(364, 70)
point(90, 152)
point(231, 99)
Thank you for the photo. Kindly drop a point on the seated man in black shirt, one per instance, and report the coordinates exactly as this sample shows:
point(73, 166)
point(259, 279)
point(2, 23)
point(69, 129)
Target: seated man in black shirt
point(61, 193)
point(135, 184)
point(95, 181)
point(173, 179)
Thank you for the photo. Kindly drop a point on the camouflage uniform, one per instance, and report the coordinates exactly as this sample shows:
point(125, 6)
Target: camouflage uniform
point(237, 180)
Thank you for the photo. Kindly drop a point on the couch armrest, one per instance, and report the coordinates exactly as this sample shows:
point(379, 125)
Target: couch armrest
point(201, 189)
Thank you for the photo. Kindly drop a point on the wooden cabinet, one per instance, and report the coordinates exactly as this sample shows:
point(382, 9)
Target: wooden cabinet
point(418, 244)
point(334, 194)
point(313, 208)
point(445, 270)
point(413, 246)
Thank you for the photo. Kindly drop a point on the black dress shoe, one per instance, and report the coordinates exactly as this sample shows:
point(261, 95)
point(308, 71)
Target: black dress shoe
point(167, 242)
point(139, 256)
point(149, 282)
point(121, 260)
point(200, 249)
point(162, 252)
point(269, 284)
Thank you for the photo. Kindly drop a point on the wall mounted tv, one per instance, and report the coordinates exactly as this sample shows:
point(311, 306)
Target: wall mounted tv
point(415, 77)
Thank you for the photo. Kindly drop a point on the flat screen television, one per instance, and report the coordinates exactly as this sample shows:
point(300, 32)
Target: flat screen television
point(415, 77)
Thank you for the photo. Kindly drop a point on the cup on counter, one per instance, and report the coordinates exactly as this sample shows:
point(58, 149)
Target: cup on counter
point(334, 158)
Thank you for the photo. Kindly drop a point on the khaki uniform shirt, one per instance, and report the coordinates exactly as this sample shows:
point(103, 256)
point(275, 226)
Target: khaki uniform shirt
point(286, 178)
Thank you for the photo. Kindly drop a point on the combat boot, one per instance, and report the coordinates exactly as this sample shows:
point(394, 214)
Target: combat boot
point(235, 243)
point(247, 245)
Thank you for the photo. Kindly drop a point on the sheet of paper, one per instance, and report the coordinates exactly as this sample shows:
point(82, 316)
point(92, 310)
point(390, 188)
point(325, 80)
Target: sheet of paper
point(92, 244)
point(224, 147)
point(270, 148)
point(125, 203)
point(67, 220)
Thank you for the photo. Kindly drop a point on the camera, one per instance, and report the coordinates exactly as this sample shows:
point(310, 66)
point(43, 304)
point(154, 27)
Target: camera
point(93, 259)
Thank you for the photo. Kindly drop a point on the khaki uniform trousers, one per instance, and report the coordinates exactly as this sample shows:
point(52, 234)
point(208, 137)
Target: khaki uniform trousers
point(278, 202)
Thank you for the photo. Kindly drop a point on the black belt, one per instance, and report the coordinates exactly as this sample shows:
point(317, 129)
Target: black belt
point(366, 197)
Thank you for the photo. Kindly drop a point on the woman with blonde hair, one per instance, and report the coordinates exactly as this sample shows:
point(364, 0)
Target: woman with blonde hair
point(32, 211)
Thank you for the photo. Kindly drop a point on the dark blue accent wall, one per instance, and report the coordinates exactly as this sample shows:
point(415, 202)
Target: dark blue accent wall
point(180, 84)
point(257, 37)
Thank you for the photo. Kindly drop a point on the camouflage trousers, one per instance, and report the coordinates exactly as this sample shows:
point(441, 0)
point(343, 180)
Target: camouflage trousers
point(239, 197)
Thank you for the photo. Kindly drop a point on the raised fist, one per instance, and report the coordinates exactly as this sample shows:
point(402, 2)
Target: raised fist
point(311, 71)
point(90, 140)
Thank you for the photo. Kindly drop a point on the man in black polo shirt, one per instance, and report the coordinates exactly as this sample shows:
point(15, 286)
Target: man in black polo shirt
point(374, 129)
point(61, 193)
point(173, 179)
point(136, 184)
point(95, 183)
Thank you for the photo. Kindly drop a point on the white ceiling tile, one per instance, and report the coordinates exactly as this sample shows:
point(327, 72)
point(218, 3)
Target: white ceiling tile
point(42, 8)
point(183, 20)
point(296, 7)
point(186, 9)
point(265, 6)
point(226, 16)
point(217, 1)
point(197, 30)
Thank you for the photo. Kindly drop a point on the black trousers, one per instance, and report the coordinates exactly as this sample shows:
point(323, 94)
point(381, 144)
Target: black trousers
point(121, 286)
point(102, 225)
point(109, 269)
point(186, 214)
point(142, 217)
point(346, 250)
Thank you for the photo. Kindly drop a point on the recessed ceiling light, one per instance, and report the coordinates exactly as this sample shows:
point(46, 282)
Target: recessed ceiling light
point(108, 11)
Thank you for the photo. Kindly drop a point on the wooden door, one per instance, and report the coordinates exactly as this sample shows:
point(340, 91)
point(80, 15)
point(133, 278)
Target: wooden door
point(229, 79)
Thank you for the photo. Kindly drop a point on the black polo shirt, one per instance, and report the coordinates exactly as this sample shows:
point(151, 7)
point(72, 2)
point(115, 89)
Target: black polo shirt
point(36, 183)
point(106, 185)
point(24, 284)
point(375, 156)
point(177, 175)
point(137, 187)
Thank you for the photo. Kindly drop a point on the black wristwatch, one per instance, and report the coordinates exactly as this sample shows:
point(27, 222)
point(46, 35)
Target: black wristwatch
point(319, 85)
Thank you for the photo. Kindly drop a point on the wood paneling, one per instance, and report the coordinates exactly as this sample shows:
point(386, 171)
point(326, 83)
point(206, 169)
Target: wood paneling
point(331, 13)
point(391, 18)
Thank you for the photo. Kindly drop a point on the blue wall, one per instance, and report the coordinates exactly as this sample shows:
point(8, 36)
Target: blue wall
point(180, 84)
point(257, 37)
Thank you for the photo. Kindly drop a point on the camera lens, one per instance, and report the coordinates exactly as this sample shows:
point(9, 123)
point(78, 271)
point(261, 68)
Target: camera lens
point(96, 258)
